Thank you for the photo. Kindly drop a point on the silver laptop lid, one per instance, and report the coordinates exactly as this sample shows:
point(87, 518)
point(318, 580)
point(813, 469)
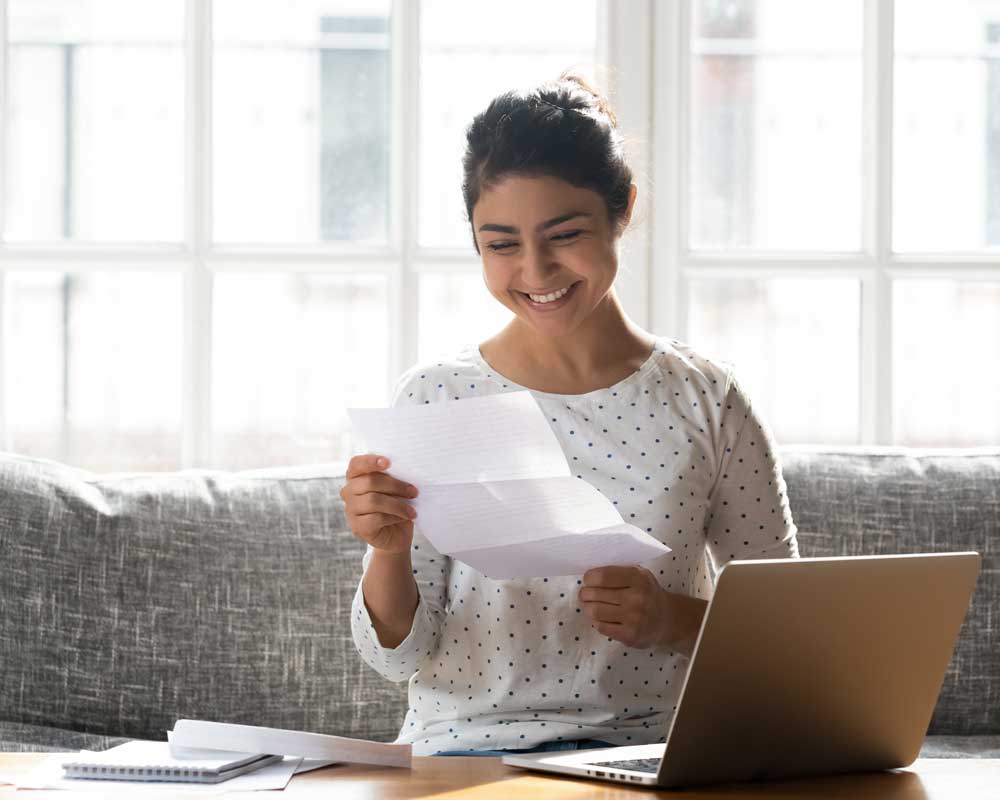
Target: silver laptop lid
point(817, 665)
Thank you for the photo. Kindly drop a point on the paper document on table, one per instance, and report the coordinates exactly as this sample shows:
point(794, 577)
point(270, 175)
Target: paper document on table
point(49, 774)
point(189, 733)
point(305, 764)
point(495, 490)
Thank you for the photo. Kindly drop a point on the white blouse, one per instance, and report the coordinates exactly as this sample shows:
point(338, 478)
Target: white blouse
point(509, 664)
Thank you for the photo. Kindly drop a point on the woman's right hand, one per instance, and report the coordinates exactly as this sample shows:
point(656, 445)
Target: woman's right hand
point(374, 505)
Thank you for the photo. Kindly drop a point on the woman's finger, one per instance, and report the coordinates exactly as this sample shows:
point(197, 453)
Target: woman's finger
point(593, 594)
point(604, 612)
point(610, 577)
point(380, 482)
point(368, 526)
point(611, 629)
point(382, 503)
point(368, 462)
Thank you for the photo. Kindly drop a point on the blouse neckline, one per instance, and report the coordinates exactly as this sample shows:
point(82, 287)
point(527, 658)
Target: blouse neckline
point(608, 391)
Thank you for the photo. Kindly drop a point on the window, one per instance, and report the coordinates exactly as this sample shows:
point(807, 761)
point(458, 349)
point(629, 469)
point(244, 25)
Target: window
point(225, 221)
point(215, 233)
point(829, 215)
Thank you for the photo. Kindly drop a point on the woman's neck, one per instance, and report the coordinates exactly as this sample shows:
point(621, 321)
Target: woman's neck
point(607, 348)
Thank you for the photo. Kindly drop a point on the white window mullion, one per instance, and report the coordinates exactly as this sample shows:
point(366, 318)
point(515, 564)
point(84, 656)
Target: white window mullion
point(876, 316)
point(4, 113)
point(764, 271)
point(625, 45)
point(870, 284)
point(197, 359)
point(5, 438)
point(792, 260)
point(667, 217)
point(100, 258)
point(403, 288)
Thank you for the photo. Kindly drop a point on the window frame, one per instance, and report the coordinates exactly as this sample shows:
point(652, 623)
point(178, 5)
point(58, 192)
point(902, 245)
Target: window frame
point(876, 266)
point(645, 40)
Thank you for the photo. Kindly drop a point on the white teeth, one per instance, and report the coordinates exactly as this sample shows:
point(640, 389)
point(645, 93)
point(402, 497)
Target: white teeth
point(548, 298)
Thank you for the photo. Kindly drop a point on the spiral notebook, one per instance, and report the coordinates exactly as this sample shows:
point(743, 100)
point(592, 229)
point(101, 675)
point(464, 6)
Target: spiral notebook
point(153, 761)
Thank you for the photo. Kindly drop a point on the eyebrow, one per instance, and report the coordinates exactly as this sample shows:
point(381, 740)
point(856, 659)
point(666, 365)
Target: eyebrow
point(489, 226)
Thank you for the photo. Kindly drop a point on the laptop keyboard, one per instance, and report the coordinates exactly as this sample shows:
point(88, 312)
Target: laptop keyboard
point(635, 764)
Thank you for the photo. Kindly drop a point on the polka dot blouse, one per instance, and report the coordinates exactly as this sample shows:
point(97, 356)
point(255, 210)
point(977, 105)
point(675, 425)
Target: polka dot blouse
point(498, 664)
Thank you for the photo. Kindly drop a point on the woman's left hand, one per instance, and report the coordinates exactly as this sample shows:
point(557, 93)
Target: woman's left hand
point(627, 604)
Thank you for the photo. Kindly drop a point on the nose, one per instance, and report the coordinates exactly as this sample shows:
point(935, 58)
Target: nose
point(538, 264)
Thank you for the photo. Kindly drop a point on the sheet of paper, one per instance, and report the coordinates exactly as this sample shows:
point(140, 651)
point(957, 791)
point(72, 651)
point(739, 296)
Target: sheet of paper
point(495, 438)
point(254, 739)
point(309, 764)
point(561, 555)
point(141, 753)
point(495, 490)
point(49, 775)
point(467, 516)
point(305, 765)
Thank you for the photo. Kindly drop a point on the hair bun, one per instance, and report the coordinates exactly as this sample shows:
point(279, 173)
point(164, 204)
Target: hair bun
point(601, 102)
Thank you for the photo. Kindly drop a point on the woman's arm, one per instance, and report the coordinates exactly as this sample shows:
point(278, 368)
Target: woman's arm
point(390, 595)
point(749, 516)
point(399, 604)
point(683, 622)
point(398, 608)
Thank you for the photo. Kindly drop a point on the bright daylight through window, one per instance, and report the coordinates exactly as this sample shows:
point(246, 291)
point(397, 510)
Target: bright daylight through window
point(224, 222)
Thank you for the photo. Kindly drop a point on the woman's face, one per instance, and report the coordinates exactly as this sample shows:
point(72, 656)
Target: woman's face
point(539, 237)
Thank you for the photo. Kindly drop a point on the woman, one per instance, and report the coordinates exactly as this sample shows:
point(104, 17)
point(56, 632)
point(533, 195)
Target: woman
point(663, 431)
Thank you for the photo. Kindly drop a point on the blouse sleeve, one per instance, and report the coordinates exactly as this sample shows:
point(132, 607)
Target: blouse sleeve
point(431, 571)
point(749, 516)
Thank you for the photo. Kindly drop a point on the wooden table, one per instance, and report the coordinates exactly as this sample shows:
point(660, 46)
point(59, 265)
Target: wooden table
point(451, 778)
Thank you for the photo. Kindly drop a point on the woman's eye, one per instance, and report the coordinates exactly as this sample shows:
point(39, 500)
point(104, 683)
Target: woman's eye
point(496, 247)
point(499, 247)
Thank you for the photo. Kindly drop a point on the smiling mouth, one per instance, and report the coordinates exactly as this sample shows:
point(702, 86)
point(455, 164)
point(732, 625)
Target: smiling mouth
point(549, 297)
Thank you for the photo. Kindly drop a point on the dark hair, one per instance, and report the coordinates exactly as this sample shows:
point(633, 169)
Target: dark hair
point(563, 128)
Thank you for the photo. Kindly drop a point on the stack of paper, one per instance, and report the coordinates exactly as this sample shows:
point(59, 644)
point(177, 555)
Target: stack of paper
point(50, 774)
point(495, 490)
point(197, 745)
point(153, 761)
point(193, 733)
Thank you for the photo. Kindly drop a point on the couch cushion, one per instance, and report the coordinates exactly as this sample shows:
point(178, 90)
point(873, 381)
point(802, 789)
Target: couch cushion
point(882, 500)
point(17, 737)
point(131, 600)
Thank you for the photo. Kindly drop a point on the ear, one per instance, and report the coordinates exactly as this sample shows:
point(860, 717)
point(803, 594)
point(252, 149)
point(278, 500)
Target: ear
point(633, 192)
point(627, 216)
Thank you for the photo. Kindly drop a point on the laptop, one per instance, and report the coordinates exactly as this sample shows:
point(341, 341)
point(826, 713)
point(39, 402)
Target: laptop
point(802, 667)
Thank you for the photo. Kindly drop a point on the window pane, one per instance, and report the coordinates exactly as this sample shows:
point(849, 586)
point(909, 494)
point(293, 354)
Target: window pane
point(946, 187)
point(291, 352)
point(94, 368)
point(96, 148)
point(775, 130)
point(301, 121)
point(455, 310)
point(471, 51)
point(946, 386)
point(771, 331)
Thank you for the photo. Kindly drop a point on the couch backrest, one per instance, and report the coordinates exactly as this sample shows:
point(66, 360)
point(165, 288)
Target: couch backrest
point(131, 600)
point(881, 500)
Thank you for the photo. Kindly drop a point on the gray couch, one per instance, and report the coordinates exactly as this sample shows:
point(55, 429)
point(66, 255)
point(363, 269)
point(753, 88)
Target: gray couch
point(130, 600)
